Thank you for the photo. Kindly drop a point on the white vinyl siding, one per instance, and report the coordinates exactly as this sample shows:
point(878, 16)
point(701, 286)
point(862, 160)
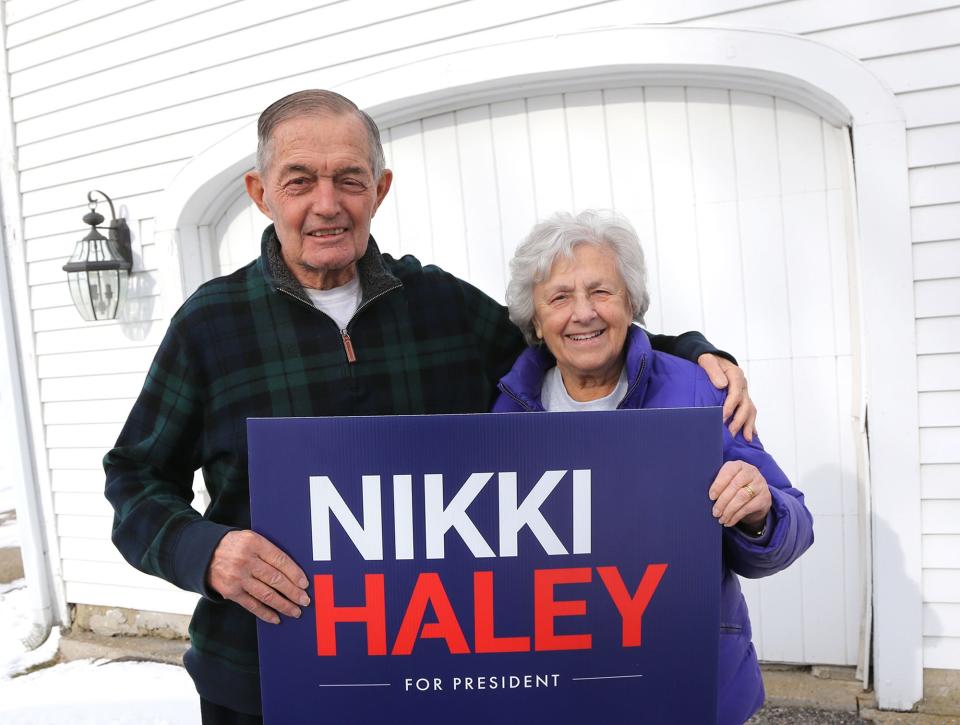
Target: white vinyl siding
point(118, 95)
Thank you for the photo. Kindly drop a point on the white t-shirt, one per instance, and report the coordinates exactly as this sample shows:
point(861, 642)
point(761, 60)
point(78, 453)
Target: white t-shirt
point(555, 397)
point(339, 303)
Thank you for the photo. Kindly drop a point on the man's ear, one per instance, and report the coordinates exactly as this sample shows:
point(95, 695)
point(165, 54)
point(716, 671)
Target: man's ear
point(255, 191)
point(383, 186)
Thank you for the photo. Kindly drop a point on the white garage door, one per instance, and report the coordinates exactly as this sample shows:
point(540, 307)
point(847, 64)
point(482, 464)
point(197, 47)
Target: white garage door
point(743, 203)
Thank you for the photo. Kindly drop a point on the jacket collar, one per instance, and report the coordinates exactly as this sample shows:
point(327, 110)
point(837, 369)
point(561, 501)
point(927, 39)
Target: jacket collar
point(375, 279)
point(525, 378)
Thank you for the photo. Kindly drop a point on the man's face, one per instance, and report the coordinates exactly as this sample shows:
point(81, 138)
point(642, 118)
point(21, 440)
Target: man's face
point(320, 193)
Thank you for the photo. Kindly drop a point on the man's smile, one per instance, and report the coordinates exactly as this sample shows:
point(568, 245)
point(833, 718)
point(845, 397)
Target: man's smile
point(332, 232)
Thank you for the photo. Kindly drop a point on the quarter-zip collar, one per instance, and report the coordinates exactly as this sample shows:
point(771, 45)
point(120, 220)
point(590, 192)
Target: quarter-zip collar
point(525, 379)
point(374, 277)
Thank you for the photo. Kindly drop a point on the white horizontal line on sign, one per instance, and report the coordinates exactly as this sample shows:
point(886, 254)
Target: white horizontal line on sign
point(606, 677)
point(358, 684)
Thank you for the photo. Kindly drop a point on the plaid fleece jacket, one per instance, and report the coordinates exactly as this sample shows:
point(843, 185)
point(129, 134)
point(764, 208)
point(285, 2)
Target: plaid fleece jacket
point(251, 344)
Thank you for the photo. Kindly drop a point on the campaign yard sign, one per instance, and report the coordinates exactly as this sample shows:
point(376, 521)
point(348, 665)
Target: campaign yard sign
point(548, 568)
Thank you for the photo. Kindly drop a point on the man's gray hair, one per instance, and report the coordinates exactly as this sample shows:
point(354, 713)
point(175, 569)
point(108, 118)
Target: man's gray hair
point(314, 102)
point(559, 235)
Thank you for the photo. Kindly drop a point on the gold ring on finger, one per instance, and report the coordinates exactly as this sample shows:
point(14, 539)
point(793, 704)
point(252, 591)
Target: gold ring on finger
point(749, 489)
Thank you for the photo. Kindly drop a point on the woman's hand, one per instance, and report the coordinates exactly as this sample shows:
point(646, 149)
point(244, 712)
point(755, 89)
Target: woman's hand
point(724, 374)
point(740, 495)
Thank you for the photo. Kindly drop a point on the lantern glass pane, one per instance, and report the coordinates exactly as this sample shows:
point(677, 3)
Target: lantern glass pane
point(97, 293)
point(77, 283)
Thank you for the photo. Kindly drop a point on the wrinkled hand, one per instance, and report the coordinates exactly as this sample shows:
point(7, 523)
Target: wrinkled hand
point(731, 494)
point(249, 570)
point(724, 374)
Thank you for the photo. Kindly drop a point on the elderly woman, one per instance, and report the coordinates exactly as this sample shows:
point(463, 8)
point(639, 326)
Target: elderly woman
point(577, 285)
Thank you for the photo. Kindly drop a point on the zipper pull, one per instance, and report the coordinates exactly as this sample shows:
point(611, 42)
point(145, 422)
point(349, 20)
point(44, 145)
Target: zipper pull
point(348, 346)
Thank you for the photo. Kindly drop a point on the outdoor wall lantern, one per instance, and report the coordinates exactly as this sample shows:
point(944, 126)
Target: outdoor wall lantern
point(98, 270)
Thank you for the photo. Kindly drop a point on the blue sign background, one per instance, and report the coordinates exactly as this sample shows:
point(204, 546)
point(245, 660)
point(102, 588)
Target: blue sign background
point(650, 474)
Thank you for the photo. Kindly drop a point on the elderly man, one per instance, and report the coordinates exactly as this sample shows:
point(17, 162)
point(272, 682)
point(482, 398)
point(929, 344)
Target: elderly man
point(321, 323)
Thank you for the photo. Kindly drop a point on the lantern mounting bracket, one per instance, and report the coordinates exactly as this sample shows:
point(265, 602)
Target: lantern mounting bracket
point(117, 230)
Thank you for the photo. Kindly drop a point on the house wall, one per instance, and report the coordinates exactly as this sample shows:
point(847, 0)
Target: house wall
point(125, 115)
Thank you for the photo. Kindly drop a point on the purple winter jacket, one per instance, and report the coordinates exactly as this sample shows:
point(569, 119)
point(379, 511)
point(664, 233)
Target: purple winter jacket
point(659, 380)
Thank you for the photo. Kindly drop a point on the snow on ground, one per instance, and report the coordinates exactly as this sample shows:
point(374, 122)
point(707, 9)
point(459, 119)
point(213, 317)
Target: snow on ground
point(15, 618)
point(87, 692)
point(84, 692)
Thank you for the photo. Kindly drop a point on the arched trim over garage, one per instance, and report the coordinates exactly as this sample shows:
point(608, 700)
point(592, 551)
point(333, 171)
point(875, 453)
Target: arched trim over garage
point(836, 86)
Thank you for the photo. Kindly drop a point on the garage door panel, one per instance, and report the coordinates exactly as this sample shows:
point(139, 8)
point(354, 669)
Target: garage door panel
point(644, 223)
point(482, 213)
point(711, 145)
point(765, 293)
point(824, 623)
point(721, 280)
point(806, 243)
point(799, 149)
point(625, 117)
point(678, 268)
point(511, 148)
point(669, 144)
point(413, 202)
point(385, 227)
point(631, 180)
point(847, 434)
point(444, 199)
point(783, 623)
point(771, 383)
point(587, 138)
point(819, 473)
point(549, 156)
point(755, 139)
point(839, 229)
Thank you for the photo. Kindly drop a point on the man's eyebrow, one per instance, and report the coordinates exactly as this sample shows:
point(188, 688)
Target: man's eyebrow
point(311, 171)
point(298, 169)
point(351, 170)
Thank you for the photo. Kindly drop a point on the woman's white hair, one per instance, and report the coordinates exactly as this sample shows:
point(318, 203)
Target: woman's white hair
point(559, 235)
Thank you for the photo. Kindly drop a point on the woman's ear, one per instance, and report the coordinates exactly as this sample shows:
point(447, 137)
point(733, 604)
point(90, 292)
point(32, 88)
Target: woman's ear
point(537, 329)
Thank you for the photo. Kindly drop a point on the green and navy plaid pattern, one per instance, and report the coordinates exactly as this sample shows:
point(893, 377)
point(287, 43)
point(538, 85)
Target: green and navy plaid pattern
point(252, 345)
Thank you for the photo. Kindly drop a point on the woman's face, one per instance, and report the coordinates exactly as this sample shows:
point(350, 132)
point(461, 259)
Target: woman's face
point(582, 313)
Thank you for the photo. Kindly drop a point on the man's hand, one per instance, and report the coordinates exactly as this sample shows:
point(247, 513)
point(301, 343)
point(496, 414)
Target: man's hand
point(724, 374)
point(740, 494)
point(249, 570)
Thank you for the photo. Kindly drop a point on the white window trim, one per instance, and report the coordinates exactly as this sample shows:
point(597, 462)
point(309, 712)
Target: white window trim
point(827, 81)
